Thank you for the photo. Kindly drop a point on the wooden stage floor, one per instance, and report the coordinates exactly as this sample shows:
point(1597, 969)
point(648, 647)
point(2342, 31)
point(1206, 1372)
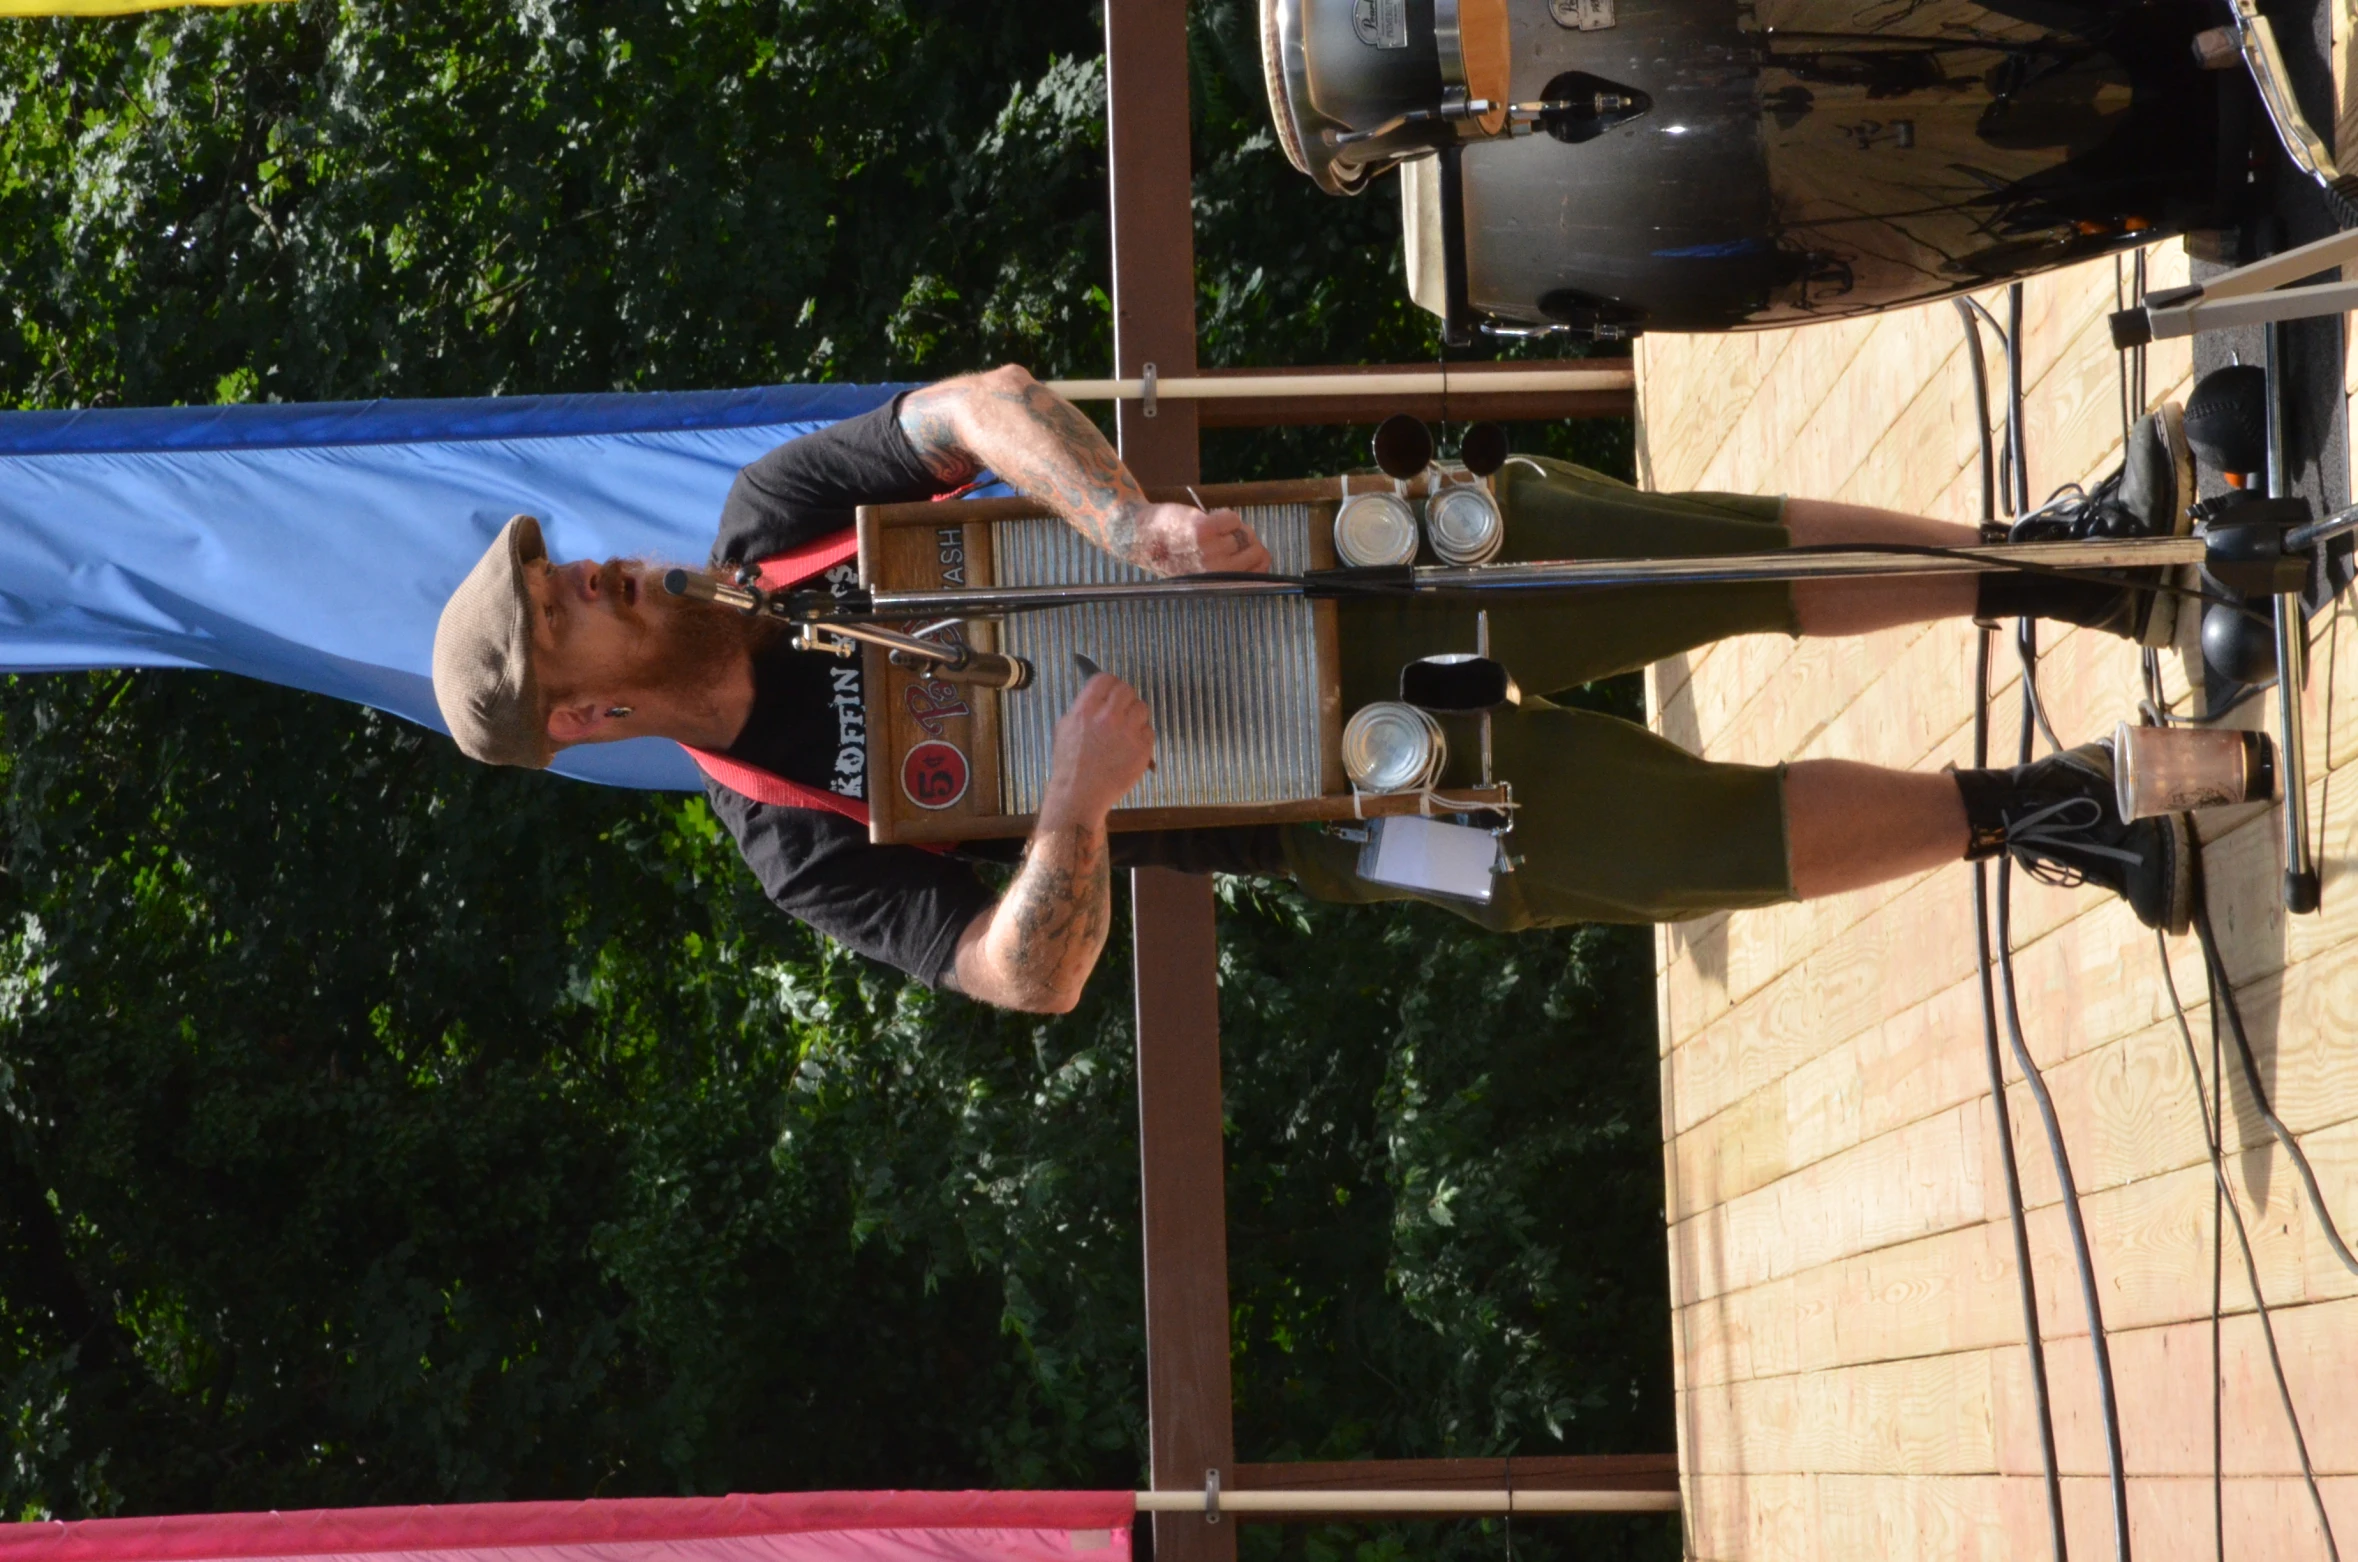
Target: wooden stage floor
point(1851, 1374)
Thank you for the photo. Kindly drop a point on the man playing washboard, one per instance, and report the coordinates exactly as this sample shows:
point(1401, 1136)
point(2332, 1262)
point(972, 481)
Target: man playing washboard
point(1615, 824)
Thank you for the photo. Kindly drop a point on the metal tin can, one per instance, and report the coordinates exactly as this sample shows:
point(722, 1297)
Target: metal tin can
point(1463, 525)
point(1389, 746)
point(2168, 770)
point(1373, 530)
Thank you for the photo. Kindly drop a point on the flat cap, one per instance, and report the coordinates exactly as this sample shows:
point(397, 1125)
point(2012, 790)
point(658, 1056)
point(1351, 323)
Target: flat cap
point(483, 676)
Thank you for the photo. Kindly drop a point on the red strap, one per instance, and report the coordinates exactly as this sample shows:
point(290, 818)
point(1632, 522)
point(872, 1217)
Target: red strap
point(979, 480)
point(767, 786)
point(796, 565)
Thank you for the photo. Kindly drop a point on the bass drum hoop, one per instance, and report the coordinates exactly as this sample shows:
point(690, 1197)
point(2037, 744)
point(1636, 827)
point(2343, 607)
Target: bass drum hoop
point(1277, 84)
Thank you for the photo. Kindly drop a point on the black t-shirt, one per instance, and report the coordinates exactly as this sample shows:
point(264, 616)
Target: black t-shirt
point(900, 904)
point(809, 721)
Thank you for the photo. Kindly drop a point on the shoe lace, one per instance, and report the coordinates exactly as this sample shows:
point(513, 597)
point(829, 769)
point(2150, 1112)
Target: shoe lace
point(2039, 839)
point(2075, 511)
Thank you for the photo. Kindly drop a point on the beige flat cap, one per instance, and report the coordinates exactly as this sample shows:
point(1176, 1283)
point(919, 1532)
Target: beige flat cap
point(483, 656)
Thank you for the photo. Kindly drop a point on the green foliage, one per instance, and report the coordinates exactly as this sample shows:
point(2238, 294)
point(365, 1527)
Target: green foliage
point(375, 1127)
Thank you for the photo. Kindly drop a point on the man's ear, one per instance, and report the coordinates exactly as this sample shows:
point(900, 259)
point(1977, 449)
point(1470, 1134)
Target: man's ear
point(577, 721)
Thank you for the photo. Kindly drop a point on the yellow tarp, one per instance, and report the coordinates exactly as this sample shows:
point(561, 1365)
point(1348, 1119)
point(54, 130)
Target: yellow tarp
point(105, 7)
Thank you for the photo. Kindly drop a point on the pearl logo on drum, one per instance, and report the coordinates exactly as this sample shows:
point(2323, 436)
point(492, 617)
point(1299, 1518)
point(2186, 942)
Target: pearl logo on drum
point(1383, 24)
point(1586, 16)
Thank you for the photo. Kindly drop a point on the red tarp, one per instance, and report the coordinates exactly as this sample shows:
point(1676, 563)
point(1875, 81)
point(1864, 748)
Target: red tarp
point(792, 1527)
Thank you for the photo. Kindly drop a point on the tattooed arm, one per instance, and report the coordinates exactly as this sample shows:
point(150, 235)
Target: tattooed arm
point(1011, 423)
point(1034, 949)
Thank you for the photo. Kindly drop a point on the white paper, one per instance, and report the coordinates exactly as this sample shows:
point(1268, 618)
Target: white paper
point(1408, 852)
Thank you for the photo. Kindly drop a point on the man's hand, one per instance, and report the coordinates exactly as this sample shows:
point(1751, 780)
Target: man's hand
point(1104, 743)
point(1017, 427)
point(1178, 539)
point(1034, 949)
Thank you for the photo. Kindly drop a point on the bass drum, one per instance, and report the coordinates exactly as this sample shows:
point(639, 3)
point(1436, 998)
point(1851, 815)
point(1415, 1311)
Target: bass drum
point(1697, 165)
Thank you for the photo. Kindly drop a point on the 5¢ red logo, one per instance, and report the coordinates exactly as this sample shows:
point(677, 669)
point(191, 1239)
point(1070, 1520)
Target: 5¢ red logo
point(934, 774)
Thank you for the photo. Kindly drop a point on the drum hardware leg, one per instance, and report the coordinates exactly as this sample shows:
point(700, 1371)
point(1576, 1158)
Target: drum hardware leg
point(2292, 671)
point(2248, 295)
point(1482, 650)
point(2301, 890)
point(2251, 553)
point(2253, 295)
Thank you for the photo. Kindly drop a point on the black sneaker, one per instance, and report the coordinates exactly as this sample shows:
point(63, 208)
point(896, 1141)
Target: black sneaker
point(2151, 495)
point(2059, 817)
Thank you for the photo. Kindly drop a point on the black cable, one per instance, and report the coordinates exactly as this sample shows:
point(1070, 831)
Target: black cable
point(2154, 708)
point(2251, 1079)
point(2025, 1280)
point(2017, 453)
point(2019, 482)
point(1981, 404)
point(2214, 1133)
point(2068, 1192)
point(2158, 716)
point(2120, 303)
point(2218, 1283)
point(2026, 653)
point(2066, 1185)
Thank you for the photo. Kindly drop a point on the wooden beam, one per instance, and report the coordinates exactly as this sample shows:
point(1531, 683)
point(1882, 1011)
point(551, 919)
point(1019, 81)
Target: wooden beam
point(1597, 1474)
point(1543, 1472)
point(1471, 405)
point(1457, 393)
point(1182, 1198)
point(1525, 407)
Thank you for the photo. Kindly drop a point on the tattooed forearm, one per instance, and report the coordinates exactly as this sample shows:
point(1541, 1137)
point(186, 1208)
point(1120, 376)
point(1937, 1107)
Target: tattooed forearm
point(1056, 908)
point(1035, 949)
point(927, 418)
point(1037, 441)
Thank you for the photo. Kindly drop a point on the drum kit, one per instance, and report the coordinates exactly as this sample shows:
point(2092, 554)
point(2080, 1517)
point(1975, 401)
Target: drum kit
point(1599, 167)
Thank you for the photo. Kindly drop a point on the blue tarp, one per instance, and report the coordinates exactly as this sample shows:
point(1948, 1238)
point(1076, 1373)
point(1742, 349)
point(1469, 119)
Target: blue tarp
point(314, 544)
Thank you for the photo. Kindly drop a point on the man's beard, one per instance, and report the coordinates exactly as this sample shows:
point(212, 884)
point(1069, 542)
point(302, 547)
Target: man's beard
point(685, 647)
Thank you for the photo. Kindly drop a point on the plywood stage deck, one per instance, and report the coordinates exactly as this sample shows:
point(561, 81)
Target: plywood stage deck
point(1851, 1375)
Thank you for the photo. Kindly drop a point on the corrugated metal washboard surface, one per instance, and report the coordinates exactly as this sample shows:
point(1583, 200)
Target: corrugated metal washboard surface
point(1233, 684)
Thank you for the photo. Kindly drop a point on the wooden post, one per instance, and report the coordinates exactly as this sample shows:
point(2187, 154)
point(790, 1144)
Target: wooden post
point(1152, 173)
point(1183, 1204)
point(1182, 1200)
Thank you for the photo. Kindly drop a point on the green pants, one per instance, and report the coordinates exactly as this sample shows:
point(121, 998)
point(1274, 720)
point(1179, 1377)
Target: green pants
point(1615, 823)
